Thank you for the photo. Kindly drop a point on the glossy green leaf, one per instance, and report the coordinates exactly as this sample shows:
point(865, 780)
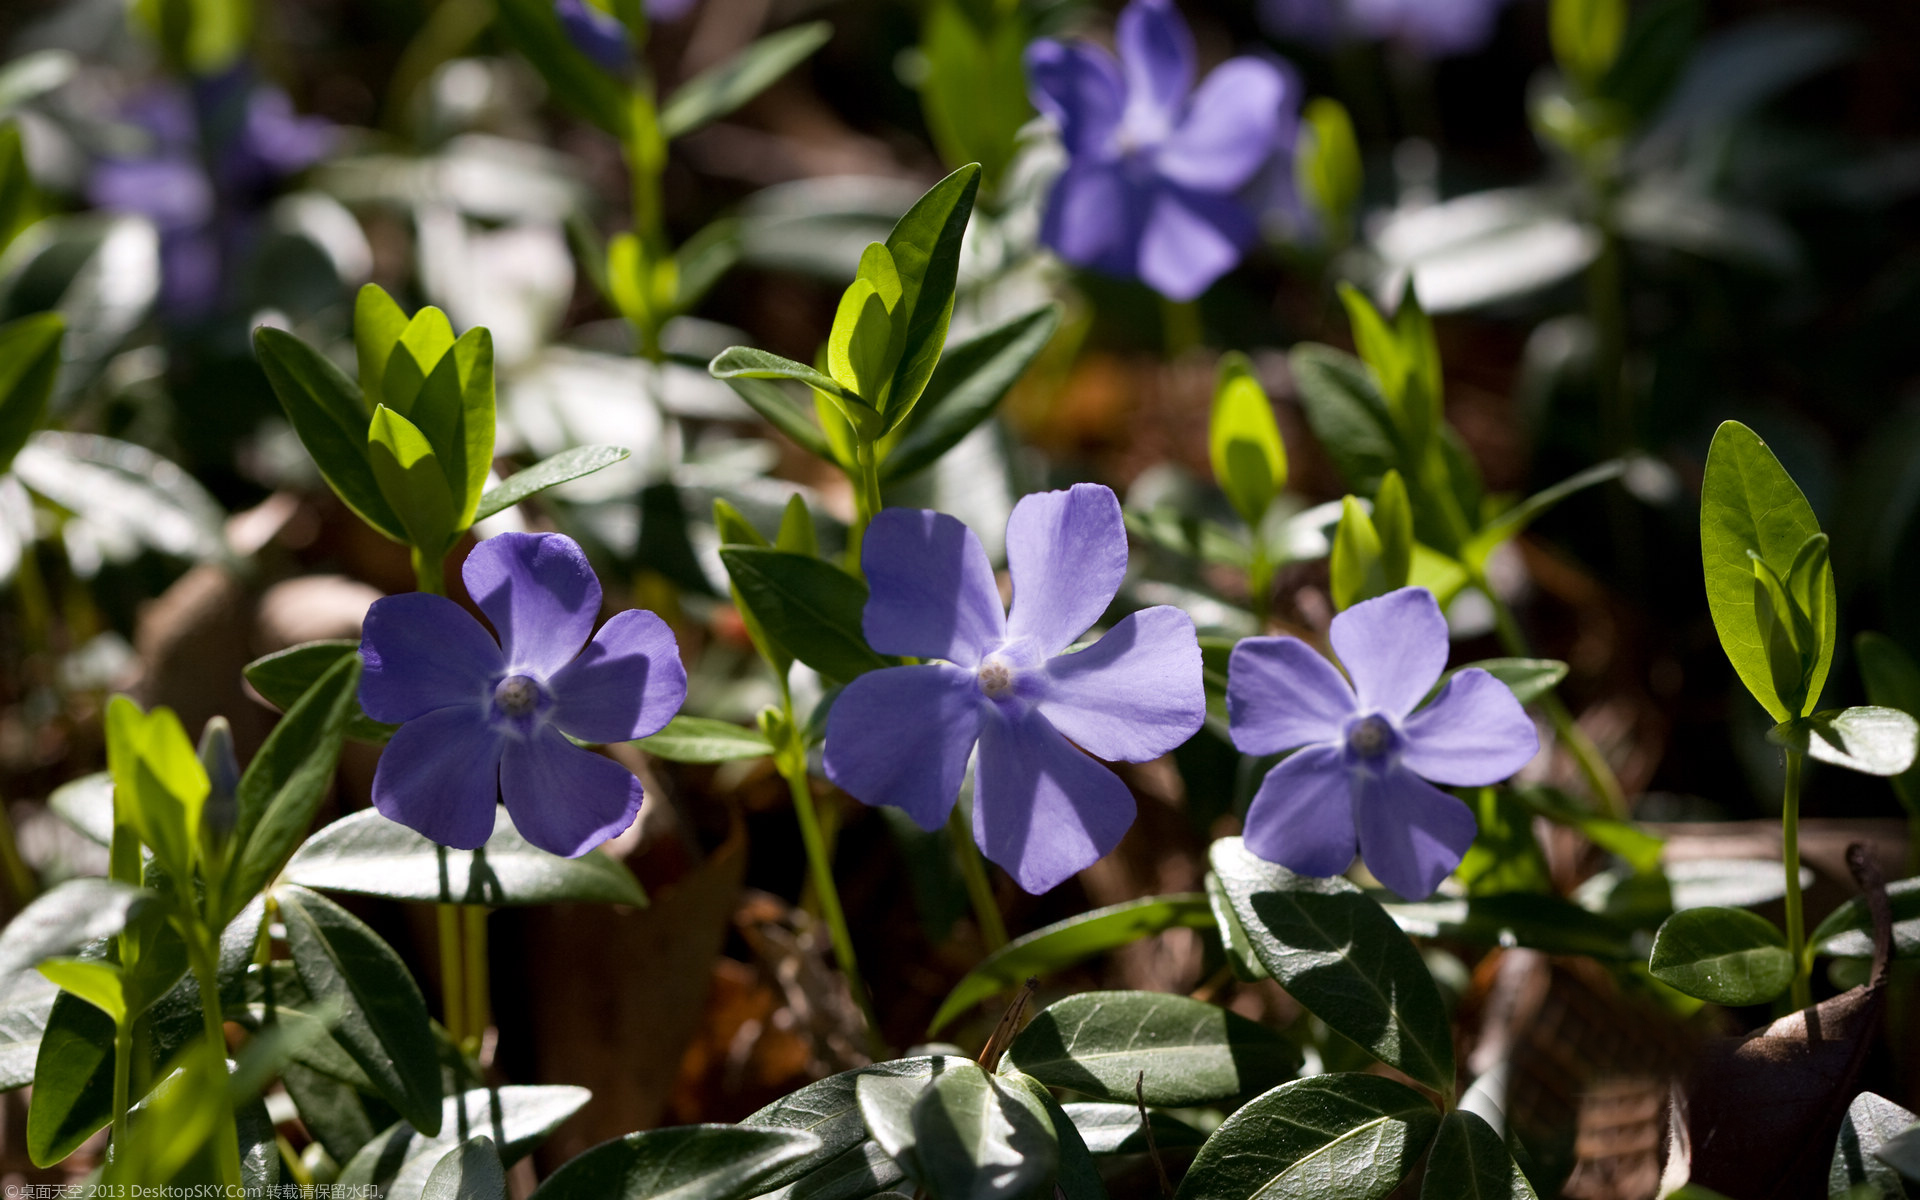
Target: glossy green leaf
point(1902, 1153)
point(29, 362)
point(412, 480)
point(326, 410)
point(366, 854)
point(808, 607)
point(862, 1172)
point(766, 398)
point(1243, 440)
point(972, 377)
point(925, 245)
point(378, 323)
point(961, 1135)
point(1847, 931)
point(1469, 1161)
point(1871, 1122)
point(532, 28)
point(26, 1004)
point(705, 740)
point(96, 981)
point(1893, 681)
point(1748, 503)
point(720, 89)
point(1351, 1136)
point(469, 1171)
point(1528, 678)
point(1870, 740)
point(689, 1162)
point(63, 919)
point(1347, 414)
point(284, 676)
point(1233, 936)
point(1117, 1128)
point(1069, 942)
point(287, 781)
point(1182, 1052)
point(1076, 1175)
point(400, 1160)
point(744, 362)
point(830, 1109)
point(72, 1081)
point(86, 804)
point(561, 468)
point(384, 1023)
point(1537, 922)
point(1341, 956)
point(1723, 955)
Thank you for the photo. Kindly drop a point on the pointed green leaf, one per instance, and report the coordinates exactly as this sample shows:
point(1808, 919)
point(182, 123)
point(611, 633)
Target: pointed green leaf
point(1243, 440)
point(469, 1171)
point(705, 740)
point(284, 676)
point(831, 1110)
point(1347, 414)
point(1356, 570)
point(1509, 523)
point(1327, 162)
point(1352, 1136)
point(690, 1162)
point(551, 472)
point(326, 411)
point(973, 376)
point(1469, 1161)
point(720, 89)
point(782, 412)
point(1871, 1122)
point(399, 1160)
point(1723, 955)
point(29, 362)
point(95, 981)
point(809, 607)
point(925, 245)
point(411, 480)
point(378, 323)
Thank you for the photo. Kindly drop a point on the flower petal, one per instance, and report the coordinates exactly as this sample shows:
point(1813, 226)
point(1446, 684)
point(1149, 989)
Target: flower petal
point(440, 776)
point(1302, 816)
point(1094, 218)
point(1231, 129)
point(1156, 52)
point(1042, 809)
point(1067, 552)
point(541, 595)
point(1412, 834)
point(1190, 240)
point(1133, 695)
point(901, 736)
point(597, 34)
point(1079, 86)
point(1473, 734)
point(932, 593)
point(626, 684)
point(563, 799)
point(424, 652)
point(1281, 693)
point(1394, 646)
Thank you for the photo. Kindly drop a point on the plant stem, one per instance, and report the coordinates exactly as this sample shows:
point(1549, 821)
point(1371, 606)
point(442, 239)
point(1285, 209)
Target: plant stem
point(20, 880)
point(203, 955)
point(1790, 859)
point(793, 768)
point(1260, 584)
point(1180, 325)
point(866, 502)
point(993, 930)
point(452, 976)
point(429, 571)
point(122, 1080)
point(474, 960)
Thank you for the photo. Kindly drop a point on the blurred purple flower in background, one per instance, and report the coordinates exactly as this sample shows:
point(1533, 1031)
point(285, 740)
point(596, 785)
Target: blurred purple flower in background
point(1431, 28)
point(1365, 755)
point(482, 720)
point(1157, 173)
point(216, 152)
point(902, 735)
point(602, 37)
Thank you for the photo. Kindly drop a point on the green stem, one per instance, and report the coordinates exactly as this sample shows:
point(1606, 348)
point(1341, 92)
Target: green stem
point(474, 960)
point(866, 502)
point(793, 768)
point(204, 959)
point(122, 1080)
point(986, 910)
point(1260, 584)
point(20, 880)
point(453, 993)
point(429, 571)
point(1593, 765)
point(1790, 859)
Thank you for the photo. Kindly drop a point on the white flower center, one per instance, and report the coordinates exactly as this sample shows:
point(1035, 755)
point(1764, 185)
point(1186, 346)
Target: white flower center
point(996, 677)
point(516, 695)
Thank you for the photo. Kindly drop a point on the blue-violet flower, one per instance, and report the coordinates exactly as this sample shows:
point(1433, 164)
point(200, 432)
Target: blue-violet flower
point(1367, 750)
point(1429, 28)
point(902, 735)
point(603, 37)
point(1158, 172)
point(482, 720)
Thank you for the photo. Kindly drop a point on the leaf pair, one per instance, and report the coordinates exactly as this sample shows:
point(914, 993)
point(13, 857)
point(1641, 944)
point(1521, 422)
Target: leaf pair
point(1373, 553)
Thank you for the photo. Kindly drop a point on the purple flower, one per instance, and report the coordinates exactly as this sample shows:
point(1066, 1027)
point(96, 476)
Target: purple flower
point(1365, 755)
point(596, 33)
point(1156, 171)
point(481, 720)
point(1431, 28)
point(902, 735)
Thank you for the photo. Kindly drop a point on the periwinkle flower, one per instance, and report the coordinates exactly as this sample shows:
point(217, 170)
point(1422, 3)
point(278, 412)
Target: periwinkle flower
point(902, 735)
point(1430, 28)
point(1157, 173)
point(1367, 750)
point(482, 720)
point(603, 37)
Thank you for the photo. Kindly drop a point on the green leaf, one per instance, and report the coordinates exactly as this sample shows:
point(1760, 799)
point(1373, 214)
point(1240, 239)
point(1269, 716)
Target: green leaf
point(286, 783)
point(86, 804)
point(327, 412)
point(1190, 1053)
point(285, 676)
point(971, 379)
point(384, 1023)
point(1658, 44)
point(1538, 922)
point(469, 1171)
point(1528, 678)
point(378, 323)
point(720, 89)
point(1243, 440)
point(160, 788)
point(1069, 942)
point(62, 920)
point(744, 362)
point(1341, 956)
point(1871, 1122)
point(1354, 1136)
point(26, 1004)
point(1233, 936)
point(974, 95)
point(1586, 36)
point(1723, 955)
point(796, 535)
point(97, 982)
point(1076, 1176)
point(1902, 1153)
point(1847, 931)
point(1893, 681)
point(1511, 522)
point(705, 740)
point(964, 1135)
point(410, 477)
point(1469, 1161)
point(1640, 849)
point(1347, 414)
point(1327, 162)
point(830, 1110)
point(29, 362)
point(400, 1160)
point(562, 467)
point(1872, 741)
point(782, 412)
point(808, 607)
point(1117, 1128)
point(690, 1162)
point(1356, 569)
point(72, 1081)
point(578, 82)
point(365, 854)
point(925, 245)
point(1748, 503)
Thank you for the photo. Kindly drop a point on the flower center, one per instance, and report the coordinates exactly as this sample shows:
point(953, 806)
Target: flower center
point(516, 695)
point(1370, 737)
point(996, 678)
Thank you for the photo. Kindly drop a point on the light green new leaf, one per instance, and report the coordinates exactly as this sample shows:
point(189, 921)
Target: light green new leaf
point(1327, 162)
point(97, 982)
point(412, 481)
point(1586, 36)
point(1356, 571)
point(1352, 1136)
point(925, 245)
point(1722, 955)
point(1243, 441)
point(722, 88)
point(550, 472)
